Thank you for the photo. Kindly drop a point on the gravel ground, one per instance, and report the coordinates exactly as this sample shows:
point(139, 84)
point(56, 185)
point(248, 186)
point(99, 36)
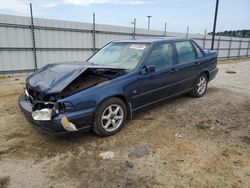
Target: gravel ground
point(185, 142)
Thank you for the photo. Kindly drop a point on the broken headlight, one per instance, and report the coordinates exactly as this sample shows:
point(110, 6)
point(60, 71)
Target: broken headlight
point(44, 111)
point(44, 114)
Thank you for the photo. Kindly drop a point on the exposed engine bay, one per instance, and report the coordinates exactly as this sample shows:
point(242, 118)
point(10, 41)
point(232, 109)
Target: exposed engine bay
point(91, 77)
point(44, 106)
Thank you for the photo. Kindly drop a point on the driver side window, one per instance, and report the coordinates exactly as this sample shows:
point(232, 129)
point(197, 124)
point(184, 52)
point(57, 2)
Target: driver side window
point(161, 56)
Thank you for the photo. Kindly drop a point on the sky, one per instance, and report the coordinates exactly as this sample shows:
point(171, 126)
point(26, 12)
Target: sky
point(197, 14)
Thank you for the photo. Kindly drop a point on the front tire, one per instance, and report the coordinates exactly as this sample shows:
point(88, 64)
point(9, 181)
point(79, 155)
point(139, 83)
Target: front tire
point(110, 117)
point(200, 86)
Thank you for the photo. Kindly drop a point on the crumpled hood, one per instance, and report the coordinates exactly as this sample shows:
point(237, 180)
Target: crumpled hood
point(53, 78)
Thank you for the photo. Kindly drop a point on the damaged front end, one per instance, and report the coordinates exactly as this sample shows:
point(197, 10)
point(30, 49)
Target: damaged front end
point(43, 110)
point(46, 92)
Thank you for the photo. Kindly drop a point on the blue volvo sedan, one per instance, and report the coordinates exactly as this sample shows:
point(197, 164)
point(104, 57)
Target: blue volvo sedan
point(122, 77)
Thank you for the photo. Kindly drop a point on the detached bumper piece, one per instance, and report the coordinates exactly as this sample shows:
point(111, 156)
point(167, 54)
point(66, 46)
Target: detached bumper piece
point(60, 124)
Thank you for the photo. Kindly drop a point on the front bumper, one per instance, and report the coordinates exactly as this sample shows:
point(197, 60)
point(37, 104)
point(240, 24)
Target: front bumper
point(81, 119)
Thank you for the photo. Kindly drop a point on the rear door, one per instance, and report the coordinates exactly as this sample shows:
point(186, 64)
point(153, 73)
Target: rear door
point(161, 83)
point(187, 65)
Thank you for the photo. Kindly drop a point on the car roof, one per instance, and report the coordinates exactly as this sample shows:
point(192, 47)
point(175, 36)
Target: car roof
point(152, 40)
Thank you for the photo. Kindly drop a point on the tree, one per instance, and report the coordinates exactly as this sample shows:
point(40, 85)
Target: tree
point(236, 33)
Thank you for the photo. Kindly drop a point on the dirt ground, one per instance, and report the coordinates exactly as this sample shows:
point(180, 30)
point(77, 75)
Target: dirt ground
point(185, 142)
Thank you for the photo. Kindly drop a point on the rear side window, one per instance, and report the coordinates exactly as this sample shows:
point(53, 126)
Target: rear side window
point(161, 56)
point(185, 52)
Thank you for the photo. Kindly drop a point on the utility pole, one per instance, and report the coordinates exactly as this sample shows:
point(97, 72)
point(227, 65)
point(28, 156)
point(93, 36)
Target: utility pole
point(215, 20)
point(149, 22)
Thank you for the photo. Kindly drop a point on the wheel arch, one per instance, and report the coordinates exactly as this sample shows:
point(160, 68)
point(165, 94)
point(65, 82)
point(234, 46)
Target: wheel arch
point(122, 98)
point(207, 74)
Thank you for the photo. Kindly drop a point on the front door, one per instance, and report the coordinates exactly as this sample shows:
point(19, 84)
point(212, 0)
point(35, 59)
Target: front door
point(160, 84)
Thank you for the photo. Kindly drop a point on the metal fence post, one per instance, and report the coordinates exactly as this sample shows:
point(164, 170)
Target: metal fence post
point(94, 32)
point(33, 37)
point(218, 46)
point(187, 31)
point(134, 28)
point(248, 48)
point(204, 40)
point(239, 48)
point(165, 29)
point(229, 48)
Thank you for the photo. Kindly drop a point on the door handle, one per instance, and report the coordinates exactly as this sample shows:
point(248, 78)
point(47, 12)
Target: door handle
point(173, 70)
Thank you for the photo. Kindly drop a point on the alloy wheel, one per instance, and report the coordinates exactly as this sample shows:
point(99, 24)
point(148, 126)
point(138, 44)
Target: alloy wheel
point(201, 85)
point(112, 117)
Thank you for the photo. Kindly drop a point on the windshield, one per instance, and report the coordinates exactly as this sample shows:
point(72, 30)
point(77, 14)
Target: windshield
point(120, 55)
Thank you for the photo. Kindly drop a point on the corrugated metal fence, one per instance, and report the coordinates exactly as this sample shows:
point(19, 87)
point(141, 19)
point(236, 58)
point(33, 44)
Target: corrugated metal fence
point(25, 47)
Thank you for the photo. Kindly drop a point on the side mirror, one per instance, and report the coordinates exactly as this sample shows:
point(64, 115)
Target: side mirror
point(148, 69)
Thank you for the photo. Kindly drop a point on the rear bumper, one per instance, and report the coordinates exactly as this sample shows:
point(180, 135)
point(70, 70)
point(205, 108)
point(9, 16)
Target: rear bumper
point(212, 73)
point(81, 119)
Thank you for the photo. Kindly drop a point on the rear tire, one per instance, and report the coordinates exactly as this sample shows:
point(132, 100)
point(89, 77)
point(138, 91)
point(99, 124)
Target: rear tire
point(110, 117)
point(200, 86)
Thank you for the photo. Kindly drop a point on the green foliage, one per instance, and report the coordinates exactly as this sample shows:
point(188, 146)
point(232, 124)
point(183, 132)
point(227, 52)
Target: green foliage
point(237, 33)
